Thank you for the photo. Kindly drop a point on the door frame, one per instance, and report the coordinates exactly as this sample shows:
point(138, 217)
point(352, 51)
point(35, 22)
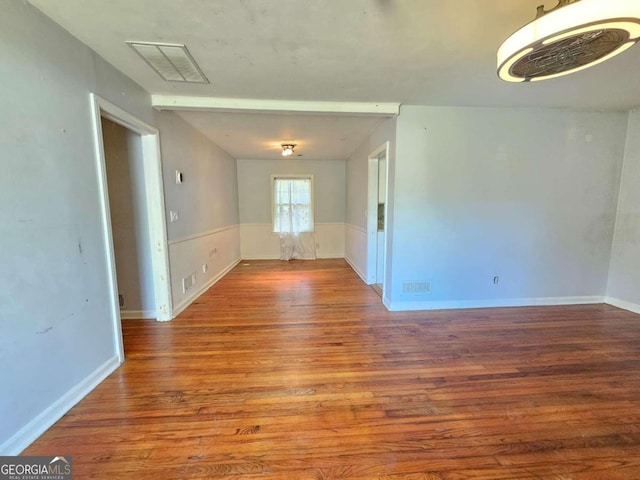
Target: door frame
point(154, 189)
point(372, 213)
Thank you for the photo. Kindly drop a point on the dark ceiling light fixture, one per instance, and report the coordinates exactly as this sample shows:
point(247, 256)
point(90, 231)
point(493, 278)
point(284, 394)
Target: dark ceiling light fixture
point(572, 36)
point(287, 149)
point(172, 62)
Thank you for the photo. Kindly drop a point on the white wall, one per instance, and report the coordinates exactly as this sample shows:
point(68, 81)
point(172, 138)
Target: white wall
point(624, 274)
point(206, 232)
point(57, 339)
point(527, 195)
point(129, 220)
point(254, 191)
point(357, 175)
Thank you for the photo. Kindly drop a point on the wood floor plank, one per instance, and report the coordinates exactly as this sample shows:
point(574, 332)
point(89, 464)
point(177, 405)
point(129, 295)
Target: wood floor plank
point(294, 370)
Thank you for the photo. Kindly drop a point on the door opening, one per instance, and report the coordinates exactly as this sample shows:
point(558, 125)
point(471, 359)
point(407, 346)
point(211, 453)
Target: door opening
point(377, 218)
point(145, 179)
point(382, 188)
point(129, 220)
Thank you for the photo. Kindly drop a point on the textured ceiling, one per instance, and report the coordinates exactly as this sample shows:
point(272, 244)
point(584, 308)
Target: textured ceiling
point(259, 136)
point(427, 52)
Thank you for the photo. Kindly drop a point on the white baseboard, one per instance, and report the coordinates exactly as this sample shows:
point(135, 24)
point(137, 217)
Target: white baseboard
point(36, 427)
point(327, 256)
point(260, 257)
point(492, 303)
point(178, 309)
point(355, 269)
point(137, 314)
point(386, 302)
point(616, 302)
point(277, 257)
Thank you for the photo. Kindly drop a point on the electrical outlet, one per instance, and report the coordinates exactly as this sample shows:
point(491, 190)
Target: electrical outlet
point(173, 216)
point(188, 282)
point(205, 267)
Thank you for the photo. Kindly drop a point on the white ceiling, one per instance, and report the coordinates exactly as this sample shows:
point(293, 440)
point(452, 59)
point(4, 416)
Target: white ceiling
point(424, 52)
point(259, 136)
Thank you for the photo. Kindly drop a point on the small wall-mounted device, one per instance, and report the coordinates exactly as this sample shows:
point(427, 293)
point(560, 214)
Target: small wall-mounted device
point(178, 177)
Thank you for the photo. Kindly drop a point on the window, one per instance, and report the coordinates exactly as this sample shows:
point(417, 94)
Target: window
point(292, 204)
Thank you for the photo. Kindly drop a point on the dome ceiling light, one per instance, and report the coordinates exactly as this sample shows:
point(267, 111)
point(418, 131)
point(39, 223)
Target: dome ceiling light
point(572, 36)
point(287, 149)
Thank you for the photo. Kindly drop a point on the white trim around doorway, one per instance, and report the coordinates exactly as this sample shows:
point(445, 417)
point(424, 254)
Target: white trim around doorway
point(150, 139)
point(372, 211)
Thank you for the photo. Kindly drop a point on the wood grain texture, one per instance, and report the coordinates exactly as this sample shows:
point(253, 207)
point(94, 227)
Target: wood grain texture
point(296, 371)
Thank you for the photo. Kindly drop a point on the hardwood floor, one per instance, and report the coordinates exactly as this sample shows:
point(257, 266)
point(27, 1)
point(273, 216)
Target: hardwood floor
point(296, 371)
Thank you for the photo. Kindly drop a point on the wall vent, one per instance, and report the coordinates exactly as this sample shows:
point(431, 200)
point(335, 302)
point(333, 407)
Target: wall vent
point(188, 282)
point(416, 288)
point(172, 62)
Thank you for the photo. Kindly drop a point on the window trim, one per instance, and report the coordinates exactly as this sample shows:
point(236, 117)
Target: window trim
point(274, 177)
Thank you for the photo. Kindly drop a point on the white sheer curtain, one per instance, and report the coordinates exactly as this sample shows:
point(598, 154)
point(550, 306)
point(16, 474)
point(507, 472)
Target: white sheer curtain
point(293, 217)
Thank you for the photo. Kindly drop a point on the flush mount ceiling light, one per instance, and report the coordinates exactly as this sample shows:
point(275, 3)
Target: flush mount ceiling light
point(287, 149)
point(172, 62)
point(572, 36)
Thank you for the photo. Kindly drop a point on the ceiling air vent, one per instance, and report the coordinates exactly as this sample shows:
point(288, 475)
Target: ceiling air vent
point(172, 62)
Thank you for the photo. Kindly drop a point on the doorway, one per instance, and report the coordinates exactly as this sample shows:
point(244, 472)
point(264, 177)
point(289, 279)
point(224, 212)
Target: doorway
point(377, 217)
point(129, 220)
point(148, 188)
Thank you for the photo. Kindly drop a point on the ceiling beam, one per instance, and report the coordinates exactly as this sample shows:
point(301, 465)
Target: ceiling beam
point(176, 102)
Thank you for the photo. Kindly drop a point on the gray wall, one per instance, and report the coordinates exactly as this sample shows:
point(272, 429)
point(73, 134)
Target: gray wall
point(129, 219)
point(208, 197)
point(624, 275)
point(357, 179)
point(206, 201)
point(55, 328)
point(254, 187)
point(528, 195)
point(357, 172)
